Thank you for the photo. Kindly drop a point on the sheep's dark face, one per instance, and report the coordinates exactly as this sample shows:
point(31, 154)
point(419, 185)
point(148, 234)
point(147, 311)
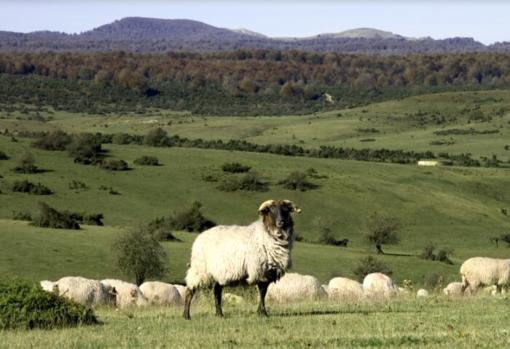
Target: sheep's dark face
point(277, 218)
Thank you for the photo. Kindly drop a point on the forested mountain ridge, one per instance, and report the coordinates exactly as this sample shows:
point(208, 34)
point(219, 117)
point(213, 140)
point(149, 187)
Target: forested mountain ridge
point(151, 35)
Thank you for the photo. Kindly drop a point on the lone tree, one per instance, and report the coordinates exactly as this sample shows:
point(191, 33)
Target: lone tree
point(382, 230)
point(139, 255)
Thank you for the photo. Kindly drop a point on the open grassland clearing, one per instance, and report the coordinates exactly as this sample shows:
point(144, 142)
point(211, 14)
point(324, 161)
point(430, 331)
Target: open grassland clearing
point(436, 322)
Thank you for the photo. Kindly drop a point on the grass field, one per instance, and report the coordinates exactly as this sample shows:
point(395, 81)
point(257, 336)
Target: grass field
point(407, 124)
point(436, 322)
point(455, 207)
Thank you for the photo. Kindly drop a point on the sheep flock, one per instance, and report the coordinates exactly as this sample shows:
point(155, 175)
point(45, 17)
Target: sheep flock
point(260, 254)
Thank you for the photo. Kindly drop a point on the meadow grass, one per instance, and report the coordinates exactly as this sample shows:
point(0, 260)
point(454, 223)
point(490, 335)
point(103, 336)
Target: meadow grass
point(435, 322)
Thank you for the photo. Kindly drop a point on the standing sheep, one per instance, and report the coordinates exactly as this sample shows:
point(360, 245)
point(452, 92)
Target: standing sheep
point(453, 289)
point(293, 287)
point(379, 285)
point(483, 271)
point(344, 289)
point(161, 293)
point(258, 253)
point(127, 294)
point(85, 291)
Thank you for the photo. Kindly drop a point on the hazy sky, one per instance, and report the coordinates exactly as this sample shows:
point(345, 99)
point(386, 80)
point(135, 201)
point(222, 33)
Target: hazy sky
point(486, 21)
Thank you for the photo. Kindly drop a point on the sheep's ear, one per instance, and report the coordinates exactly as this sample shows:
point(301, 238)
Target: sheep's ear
point(264, 207)
point(293, 208)
point(112, 290)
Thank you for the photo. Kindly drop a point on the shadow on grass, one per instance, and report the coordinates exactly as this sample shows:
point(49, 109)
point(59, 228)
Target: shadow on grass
point(336, 312)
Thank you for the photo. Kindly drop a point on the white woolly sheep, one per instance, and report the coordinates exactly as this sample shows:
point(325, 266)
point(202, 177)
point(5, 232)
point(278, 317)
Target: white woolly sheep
point(85, 291)
point(344, 289)
point(483, 271)
point(379, 285)
point(128, 294)
point(233, 298)
point(293, 287)
point(258, 254)
point(49, 286)
point(453, 289)
point(161, 293)
point(422, 293)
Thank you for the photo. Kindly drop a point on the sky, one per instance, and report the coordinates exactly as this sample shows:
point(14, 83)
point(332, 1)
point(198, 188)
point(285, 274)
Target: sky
point(486, 21)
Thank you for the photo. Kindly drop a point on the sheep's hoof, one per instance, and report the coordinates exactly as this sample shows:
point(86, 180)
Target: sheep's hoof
point(186, 317)
point(219, 314)
point(262, 312)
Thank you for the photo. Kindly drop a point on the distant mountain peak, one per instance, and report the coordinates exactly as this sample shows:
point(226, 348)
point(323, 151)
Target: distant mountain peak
point(367, 33)
point(249, 32)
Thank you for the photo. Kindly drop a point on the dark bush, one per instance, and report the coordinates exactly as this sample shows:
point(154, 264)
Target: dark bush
point(428, 252)
point(297, 181)
point(161, 228)
point(505, 238)
point(21, 216)
point(85, 149)
point(51, 218)
point(248, 182)
point(443, 255)
point(114, 165)
point(3, 156)
point(157, 138)
point(26, 165)
point(147, 161)
point(87, 218)
point(57, 140)
point(191, 220)
point(25, 186)
point(235, 167)
point(27, 306)
point(78, 186)
point(369, 265)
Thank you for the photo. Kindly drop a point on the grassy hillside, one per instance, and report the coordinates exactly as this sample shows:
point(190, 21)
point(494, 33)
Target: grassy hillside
point(407, 124)
point(455, 207)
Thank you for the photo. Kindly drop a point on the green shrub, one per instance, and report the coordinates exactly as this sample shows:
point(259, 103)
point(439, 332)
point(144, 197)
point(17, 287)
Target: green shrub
point(428, 252)
point(297, 181)
point(248, 182)
point(3, 156)
point(57, 140)
point(434, 280)
point(25, 186)
point(161, 229)
point(443, 255)
point(235, 167)
point(114, 165)
point(85, 149)
point(382, 230)
point(26, 165)
point(157, 138)
point(21, 216)
point(147, 161)
point(191, 220)
point(78, 186)
point(139, 255)
point(87, 218)
point(369, 265)
point(27, 306)
point(51, 218)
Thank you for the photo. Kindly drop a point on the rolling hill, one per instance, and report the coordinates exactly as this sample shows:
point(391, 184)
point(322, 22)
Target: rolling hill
point(137, 34)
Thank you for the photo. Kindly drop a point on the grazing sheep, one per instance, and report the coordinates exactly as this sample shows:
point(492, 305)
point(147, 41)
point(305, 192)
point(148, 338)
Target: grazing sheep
point(49, 286)
point(85, 291)
point(325, 288)
point(422, 293)
point(379, 285)
point(181, 289)
point(293, 287)
point(453, 289)
point(161, 293)
point(258, 253)
point(483, 271)
point(127, 294)
point(344, 289)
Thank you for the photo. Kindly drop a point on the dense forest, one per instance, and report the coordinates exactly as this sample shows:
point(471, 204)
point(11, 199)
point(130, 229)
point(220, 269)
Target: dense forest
point(238, 82)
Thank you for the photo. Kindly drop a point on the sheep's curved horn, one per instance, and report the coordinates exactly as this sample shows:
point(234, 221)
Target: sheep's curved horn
point(265, 205)
point(293, 207)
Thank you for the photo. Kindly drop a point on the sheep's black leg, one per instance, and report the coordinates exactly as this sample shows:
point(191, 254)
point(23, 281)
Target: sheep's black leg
point(262, 302)
point(188, 296)
point(217, 299)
